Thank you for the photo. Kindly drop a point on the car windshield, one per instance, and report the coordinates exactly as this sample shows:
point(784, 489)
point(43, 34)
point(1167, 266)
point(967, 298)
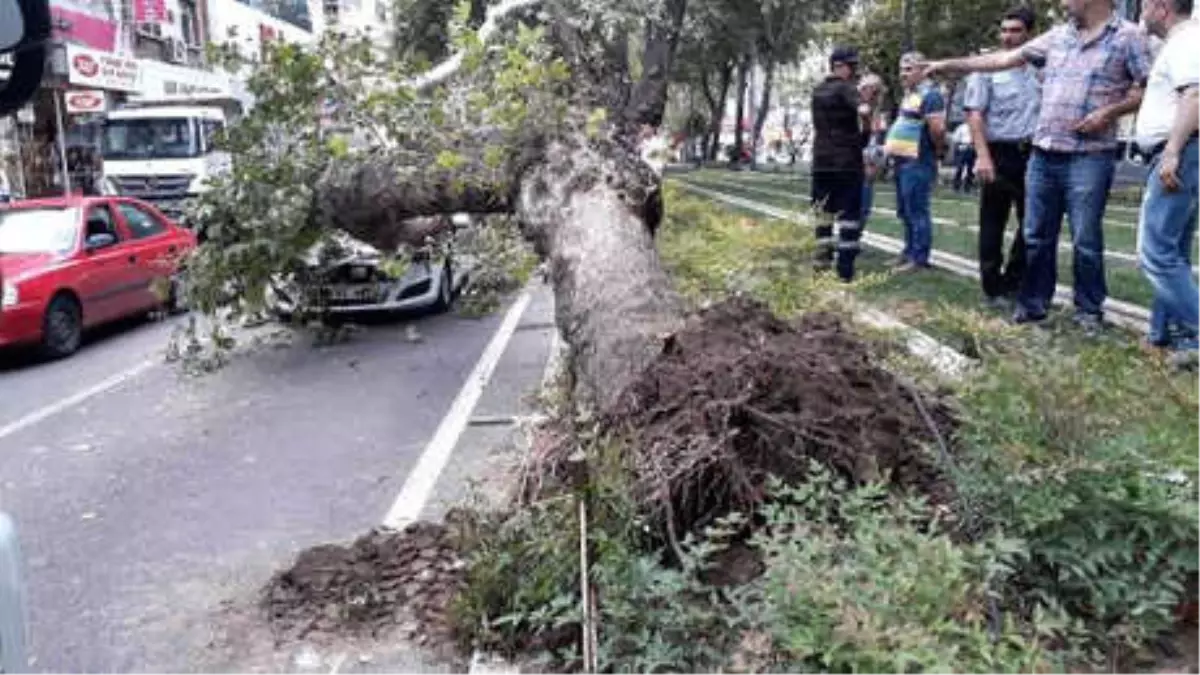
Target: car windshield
point(158, 138)
point(38, 230)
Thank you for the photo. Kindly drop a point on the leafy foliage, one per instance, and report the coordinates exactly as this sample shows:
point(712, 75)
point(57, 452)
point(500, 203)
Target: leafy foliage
point(939, 30)
point(341, 103)
point(1055, 455)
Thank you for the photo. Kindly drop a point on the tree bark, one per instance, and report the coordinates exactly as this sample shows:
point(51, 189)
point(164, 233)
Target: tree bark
point(585, 206)
point(743, 80)
point(716, 106)
point(614, 303)
point(764, 106)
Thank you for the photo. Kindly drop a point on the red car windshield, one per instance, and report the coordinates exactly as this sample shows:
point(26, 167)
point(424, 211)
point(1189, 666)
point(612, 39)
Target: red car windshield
point(38, 230)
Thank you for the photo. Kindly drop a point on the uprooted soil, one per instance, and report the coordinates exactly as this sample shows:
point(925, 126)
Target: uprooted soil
point(382, 581)
point(735, 397)
point(739, 395)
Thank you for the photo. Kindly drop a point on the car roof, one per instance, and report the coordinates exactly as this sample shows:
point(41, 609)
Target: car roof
point(63, 202)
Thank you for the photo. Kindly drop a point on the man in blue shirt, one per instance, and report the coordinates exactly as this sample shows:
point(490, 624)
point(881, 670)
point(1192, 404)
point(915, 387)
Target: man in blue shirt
point(914, 143)
point(1002, 111)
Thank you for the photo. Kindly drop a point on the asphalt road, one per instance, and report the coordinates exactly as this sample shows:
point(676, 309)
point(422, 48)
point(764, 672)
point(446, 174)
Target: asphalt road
point(145, 508)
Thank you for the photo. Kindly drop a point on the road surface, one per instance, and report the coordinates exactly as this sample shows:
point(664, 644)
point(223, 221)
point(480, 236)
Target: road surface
point(156, 499)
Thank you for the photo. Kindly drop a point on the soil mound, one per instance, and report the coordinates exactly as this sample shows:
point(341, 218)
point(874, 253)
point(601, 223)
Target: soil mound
point(739, 395)
point(382, 581)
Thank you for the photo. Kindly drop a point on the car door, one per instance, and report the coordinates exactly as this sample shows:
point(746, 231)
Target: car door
point(154, 248)
point(105, 278)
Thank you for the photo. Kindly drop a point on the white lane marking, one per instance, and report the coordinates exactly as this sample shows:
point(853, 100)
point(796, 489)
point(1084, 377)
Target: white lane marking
point(75, 399)
point(418, 487)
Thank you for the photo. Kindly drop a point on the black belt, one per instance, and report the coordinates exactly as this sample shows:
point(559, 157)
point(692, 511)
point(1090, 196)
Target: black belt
point(1022, 145)
point(1153, 153)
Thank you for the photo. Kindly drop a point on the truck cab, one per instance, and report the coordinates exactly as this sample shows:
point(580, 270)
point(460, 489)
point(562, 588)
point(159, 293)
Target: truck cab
point(162, 154)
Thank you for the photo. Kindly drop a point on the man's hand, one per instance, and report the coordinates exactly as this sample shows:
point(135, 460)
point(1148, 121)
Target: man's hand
point(1095, 122)
point(933, 68)
point(1168, 170)
point(985, 169)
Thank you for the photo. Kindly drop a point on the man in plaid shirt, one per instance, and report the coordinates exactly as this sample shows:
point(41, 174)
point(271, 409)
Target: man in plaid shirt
point(1094, 68)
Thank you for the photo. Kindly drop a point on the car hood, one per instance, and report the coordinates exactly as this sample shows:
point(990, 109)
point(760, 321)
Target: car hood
point(14, 266)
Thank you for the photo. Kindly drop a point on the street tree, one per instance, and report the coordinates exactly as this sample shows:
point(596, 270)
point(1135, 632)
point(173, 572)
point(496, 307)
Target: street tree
point(534, 114)
point(938, 30)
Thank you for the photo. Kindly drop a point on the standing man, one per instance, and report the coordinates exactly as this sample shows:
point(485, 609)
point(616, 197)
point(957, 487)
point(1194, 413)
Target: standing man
point(914, 143)
point(839, 122)
point(1094, 67)
point(964, 159)
point(872, 90)
point(1002, 111)
point(1166, 130)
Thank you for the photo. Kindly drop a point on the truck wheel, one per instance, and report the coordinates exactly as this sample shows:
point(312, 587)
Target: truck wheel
point(62, 327)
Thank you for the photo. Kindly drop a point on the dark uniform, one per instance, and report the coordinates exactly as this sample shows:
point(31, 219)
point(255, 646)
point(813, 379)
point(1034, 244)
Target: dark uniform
point(837, 166)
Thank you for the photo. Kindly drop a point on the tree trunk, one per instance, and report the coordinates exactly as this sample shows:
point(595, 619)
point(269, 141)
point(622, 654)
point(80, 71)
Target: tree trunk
point(649, 96)
point(716, 107)
point(614, 302)
point(584, 205)
point(764, 105)
point(743, 80)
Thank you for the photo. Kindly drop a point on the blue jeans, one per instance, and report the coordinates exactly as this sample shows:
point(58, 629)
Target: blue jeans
point(1075, 185)
point(1165, 234)
point(914, 188)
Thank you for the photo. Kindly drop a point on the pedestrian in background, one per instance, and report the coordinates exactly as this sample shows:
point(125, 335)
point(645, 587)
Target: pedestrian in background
point(914, 144)
point(1002, 112)
point(837, 165)
point(1167, 132)
point(964, 159)
point(1093, 69)
point(872, 91)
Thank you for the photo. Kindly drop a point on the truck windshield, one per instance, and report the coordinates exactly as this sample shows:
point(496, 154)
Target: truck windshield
point(156, 138)
point(38, 230)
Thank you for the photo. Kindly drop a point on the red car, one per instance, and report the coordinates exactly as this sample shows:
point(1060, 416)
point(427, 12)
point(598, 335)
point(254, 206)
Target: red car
point(70, 263)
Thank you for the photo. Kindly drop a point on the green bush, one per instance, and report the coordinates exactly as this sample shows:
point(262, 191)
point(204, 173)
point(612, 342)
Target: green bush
point(858, 582)
point(1065, 453)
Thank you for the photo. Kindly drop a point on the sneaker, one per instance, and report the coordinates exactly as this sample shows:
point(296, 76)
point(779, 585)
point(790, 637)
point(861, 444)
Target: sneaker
point(901, 261)
point(998, 303)
point(1022, 317)
point(1090, 324)
point(909, 266)
point(1183, 359)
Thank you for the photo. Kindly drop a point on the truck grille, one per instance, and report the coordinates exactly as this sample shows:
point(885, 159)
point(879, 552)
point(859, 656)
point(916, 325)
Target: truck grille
point(168, 193)
point(152, 188)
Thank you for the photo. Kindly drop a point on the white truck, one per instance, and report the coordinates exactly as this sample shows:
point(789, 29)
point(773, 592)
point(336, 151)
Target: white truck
point(165, 153)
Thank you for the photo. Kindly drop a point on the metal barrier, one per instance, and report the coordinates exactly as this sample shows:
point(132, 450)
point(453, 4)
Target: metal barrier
point(12, 601)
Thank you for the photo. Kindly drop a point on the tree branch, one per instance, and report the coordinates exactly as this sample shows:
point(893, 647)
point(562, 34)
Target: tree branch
point(446, 69)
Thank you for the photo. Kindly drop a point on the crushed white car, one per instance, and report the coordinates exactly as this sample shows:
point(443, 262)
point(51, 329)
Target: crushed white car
point(343, 276)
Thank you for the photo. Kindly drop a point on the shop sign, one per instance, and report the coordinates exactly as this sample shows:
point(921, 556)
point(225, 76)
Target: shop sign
point(81, 101)
point(101, 70)
point(167, 82)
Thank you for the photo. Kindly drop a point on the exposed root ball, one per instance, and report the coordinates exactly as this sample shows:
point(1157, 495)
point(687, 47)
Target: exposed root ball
point(739, 395)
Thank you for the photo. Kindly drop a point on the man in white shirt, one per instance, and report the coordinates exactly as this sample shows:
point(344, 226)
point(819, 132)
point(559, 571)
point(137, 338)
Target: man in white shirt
point(1166, 131)
point(964, 159)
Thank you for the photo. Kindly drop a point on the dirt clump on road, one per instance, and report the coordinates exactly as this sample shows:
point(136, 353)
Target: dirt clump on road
point(739, 395)
point(384, 581)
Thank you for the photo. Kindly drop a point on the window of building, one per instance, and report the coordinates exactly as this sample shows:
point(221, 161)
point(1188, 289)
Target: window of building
point(189, 23)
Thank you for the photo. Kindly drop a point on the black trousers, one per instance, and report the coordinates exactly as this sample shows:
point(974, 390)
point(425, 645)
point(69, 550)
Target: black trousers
point(996, 200)
point(837, 199)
